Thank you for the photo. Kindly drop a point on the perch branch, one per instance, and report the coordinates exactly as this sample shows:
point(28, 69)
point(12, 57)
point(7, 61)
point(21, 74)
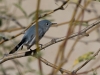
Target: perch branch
point(26, 53)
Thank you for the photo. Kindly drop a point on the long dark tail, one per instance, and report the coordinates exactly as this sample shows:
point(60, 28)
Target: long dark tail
point(17, 47)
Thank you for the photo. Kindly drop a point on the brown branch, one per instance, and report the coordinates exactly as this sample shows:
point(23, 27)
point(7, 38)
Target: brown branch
point(85, 72)
point(32, 53)
point(11, 30)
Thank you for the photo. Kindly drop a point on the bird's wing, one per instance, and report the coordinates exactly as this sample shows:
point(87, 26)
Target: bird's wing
point(29, 35)
point(41, 33)
point(33, 38)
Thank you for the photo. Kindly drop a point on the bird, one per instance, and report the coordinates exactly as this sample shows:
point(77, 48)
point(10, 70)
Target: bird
point(29, 38)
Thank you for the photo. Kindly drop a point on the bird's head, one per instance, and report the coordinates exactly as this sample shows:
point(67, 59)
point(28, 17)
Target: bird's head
point(45, 24)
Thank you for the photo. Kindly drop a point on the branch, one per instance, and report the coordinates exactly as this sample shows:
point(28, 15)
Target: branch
point(11, 29)
point(77, 22)
point(31, 53)
point(3, 37)
point(85, 72)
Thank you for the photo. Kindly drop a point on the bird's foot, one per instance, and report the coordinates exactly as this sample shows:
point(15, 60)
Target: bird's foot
point(54, 40)
point(41, 45)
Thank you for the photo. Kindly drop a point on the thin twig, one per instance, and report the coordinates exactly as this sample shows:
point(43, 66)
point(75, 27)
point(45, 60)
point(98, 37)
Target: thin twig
point(11, 30)
point(85, 72)
point(76, 21)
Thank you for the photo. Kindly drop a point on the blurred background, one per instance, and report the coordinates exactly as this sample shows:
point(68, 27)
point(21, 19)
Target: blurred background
point(16, 15)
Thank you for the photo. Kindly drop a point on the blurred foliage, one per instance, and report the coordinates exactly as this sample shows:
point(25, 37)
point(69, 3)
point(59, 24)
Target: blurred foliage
point(82, 58)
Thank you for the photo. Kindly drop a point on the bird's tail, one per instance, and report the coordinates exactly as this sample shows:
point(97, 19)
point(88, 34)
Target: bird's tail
point(17, 47)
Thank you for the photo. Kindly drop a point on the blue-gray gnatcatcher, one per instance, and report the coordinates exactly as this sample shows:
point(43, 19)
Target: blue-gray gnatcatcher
point(29, 37)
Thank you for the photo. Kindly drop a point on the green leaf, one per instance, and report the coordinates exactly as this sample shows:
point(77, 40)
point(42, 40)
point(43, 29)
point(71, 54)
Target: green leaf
point(18, 6)
point(82, 58)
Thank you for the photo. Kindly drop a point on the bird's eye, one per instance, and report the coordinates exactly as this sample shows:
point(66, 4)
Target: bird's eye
point(47, 24)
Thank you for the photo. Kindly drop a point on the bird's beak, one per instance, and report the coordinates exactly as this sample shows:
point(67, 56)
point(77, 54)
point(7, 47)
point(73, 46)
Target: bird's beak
point(54, 23)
